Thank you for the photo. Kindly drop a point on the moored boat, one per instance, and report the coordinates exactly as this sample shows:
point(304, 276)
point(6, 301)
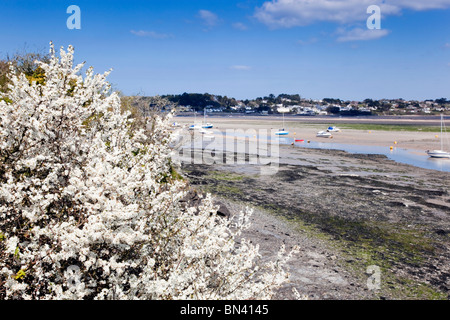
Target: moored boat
point(440, 153)
point(206, 125)
point(333, 129)
point(282, 132)
point(323, 134)
point(195, 127)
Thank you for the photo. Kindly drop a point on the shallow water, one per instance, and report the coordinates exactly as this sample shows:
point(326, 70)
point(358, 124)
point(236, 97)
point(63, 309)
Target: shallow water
point(400, 155)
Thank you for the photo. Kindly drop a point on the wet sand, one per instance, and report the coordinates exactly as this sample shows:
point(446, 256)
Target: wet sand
point(306, 129)
point(347, 212)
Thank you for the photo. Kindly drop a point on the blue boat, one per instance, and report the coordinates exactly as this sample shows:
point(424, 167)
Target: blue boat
point(194, 127)
point(282, 133)
point(206, 125)
point(333, 129)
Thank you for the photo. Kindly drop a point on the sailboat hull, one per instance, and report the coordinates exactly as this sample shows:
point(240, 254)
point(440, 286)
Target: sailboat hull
point(439, 154)
point(323, 134)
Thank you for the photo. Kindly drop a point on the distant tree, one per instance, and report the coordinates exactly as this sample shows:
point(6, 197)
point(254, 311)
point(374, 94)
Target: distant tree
point(27, 64)
point(270, 98)
point(263, 108)
point(384, 106)
point(294, 97)
point(332, 101)
point(252, 104)
point(4, 69)
point(372, 103)
point(197, 101)
point(442, 101)
point(401, 105)
point(333, 110)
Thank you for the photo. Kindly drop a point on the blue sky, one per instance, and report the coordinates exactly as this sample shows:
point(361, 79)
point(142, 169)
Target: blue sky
point(248, 48)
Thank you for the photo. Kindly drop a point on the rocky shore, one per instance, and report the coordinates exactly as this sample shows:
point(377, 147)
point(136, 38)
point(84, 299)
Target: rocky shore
point(348, 213)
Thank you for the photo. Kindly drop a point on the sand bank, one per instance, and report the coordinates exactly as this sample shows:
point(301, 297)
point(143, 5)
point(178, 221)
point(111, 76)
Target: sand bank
point(347, 212)
point(307, 130)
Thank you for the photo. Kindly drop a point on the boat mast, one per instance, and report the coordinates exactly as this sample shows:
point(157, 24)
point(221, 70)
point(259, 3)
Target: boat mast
point(442, 140)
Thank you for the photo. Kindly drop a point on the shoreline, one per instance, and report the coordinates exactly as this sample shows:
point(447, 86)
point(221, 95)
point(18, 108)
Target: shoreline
point(403, 146)
point(367, 210)
point(419, 120)
point(411, 140)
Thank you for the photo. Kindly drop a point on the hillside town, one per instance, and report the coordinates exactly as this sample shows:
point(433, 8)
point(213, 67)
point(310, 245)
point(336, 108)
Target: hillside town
point(295, 105)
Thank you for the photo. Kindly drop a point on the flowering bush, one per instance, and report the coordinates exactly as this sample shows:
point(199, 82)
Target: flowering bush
point(89, 209)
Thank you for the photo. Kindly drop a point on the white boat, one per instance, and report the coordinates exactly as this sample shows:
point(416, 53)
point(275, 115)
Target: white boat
point(282, 132)
point(206, 125)
point(333, 129)
point(323, 134)
point(440, 153)
point(195, 127)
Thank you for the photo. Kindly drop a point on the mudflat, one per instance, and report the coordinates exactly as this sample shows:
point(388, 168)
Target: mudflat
point(351, 214)
point(416, 134)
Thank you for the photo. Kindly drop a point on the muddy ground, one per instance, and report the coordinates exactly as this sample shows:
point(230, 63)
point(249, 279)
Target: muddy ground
point(348, 213)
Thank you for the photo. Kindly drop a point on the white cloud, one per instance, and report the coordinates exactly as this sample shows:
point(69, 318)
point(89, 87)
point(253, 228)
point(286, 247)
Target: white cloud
point(209, 18)
point(358, 34)
point(420, 5)
point(305, 42)
point(291, 13)
point(239, 26)
point(151, 34)
point(240, 67)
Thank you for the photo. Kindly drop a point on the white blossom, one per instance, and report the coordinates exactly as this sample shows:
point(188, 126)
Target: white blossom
point(81, 190)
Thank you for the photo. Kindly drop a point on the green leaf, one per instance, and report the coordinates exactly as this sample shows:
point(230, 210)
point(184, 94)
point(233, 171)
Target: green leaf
point(20, 274)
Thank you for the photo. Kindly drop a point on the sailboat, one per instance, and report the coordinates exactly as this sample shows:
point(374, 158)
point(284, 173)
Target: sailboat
point(206, 125)
point(440, 153)
point(195, 126)
point(282, 132)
